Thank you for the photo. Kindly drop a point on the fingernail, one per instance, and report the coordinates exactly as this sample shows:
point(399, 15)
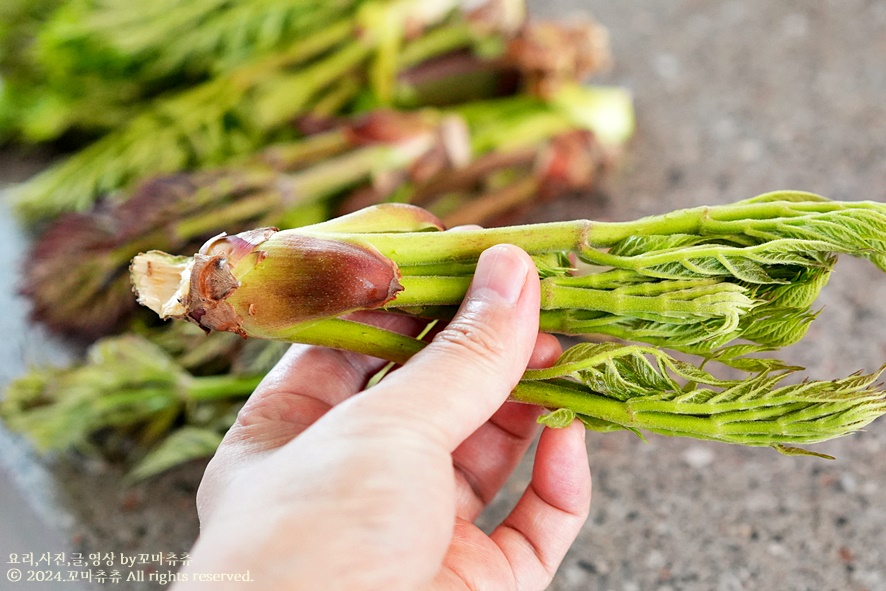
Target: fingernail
point(500, 271)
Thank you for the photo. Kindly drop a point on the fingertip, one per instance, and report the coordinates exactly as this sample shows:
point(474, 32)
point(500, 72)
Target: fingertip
point(545, 522)
point(562, 475)
point(502, 275)
point(546, 352)
point(464, 228)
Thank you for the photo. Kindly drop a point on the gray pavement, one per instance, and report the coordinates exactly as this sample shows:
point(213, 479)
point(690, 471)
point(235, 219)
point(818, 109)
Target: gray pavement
point(734, 98)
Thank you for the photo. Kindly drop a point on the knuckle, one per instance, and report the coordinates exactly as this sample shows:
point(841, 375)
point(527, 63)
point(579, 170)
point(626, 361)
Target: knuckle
point(276, 407)
point(469, 337)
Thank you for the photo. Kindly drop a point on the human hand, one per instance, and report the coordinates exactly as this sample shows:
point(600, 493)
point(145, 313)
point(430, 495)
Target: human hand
point(315, 487)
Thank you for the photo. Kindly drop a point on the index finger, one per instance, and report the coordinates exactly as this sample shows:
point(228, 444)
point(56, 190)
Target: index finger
point(310, 380)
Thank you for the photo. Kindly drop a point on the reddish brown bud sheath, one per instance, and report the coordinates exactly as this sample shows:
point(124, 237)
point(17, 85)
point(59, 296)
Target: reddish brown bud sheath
point(261, 282)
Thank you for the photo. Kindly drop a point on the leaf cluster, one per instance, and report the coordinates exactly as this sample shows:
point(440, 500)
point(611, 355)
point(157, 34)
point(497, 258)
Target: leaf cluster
point(198, 86)
point(123, 400)
point(778, 249)
point(615, 386)
point(93, 63)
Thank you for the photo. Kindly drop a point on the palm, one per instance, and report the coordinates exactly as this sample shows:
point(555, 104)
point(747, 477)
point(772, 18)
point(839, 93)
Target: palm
point(523, 552)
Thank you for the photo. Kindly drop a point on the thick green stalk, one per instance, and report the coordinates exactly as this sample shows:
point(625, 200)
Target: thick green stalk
point(664, 303)
point(741, 274)
point(794, 226)
point(221, 387)
point(354, 336)
point(293, 156)
point(487, 207)
point(748, 430)
point(437, 42)
point(466, 246)
point(432, 290)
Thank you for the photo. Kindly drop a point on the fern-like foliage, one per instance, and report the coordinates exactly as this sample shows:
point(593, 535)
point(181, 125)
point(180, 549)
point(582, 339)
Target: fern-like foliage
point(778, 250)
point(247, 104)
point(127, 388)
point(98, 62)
point(643, 388)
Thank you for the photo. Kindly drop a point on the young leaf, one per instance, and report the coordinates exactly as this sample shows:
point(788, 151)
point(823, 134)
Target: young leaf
point(643, 388)
point(183, 445)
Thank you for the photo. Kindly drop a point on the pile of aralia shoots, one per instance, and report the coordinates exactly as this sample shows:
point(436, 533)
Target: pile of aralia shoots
point(721, 282)
point(283, 113)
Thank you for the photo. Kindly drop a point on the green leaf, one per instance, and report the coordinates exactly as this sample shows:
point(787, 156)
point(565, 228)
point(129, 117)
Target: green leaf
point(553, 265)
point(789, 196)
point(640, 388)
point(563, 417)
point(601, 426)
point(623, 371)
point(745, 269)
point(558, 419)
point(258, 357)
point(181, 446)
point(802, 290)
point(737, 357)
point(776, 327)
point(790, 450)
point(643, 244)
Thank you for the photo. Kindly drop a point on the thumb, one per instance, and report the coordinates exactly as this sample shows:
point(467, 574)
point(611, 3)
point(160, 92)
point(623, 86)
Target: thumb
point(467, 372)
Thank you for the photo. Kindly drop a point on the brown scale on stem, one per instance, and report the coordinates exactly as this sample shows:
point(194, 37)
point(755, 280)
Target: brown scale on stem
point(260, 281)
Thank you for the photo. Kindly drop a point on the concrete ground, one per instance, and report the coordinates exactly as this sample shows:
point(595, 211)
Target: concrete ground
point(734, 98)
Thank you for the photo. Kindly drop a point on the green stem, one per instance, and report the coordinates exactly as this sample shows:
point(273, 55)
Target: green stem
point(315, 44)
point(232, 214)
point(304, 49)
point(437, 42)
point(431, 290)
point(559, 394)
point(764, 219)
point(713, 301)
point(207, 388)
point(562, 394)
point(558, 297)
point(337, 98)
point(444, 247)
point(280, 98)
point(293, 156)
point(487, 206)
point(338, 173)
point(348, 335)
point(525, 130)
point(719, 220)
